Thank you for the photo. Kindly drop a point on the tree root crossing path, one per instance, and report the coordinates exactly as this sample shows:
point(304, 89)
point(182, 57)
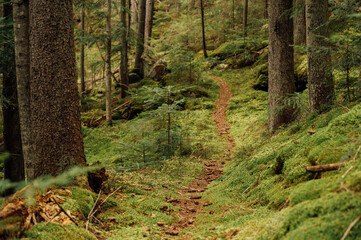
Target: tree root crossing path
point(190, 201)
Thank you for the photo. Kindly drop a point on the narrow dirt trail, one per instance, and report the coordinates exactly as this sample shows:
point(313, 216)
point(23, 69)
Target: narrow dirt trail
point(190, 201)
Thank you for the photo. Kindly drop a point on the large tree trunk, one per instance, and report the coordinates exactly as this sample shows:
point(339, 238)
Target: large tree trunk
point(204, 46)
point(82, 51)
point(320, 81)
point(14, 166)
point(108, 64)
point(140, 45)
point(124, 51)
point(300, 23)
point(22, 60)
point(280, 63)
point(54, 99)
point(245, 17)
point(149, 20)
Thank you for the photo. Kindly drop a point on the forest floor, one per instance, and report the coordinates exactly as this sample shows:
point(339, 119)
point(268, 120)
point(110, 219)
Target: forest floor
point(190, 201)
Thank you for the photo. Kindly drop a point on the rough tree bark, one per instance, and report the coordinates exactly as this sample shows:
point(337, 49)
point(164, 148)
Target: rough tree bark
point(300, 23)
point(204, 46)
point(14, 165)
point(108, 63)
point(245, 17)
point(280, 63)
point(82, 51)
point(123, 51)
point(22, 60)
point(149, 20)
point(320, 80)
point(140, 45)
point(54, 98)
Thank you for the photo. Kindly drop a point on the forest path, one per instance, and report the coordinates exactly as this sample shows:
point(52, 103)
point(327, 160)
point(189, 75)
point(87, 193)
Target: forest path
point(190, 201)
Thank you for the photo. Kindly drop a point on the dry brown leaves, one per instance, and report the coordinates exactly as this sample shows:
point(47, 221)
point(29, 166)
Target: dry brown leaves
point(18, 216)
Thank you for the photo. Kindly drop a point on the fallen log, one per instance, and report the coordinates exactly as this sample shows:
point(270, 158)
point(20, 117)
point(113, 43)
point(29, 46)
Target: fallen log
point(325, 168)
point(99, 120)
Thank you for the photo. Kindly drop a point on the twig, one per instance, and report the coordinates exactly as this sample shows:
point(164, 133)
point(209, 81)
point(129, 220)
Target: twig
point(358, 150)
point(350, 227)
point(52, 218)
point(347, 172)
point(91, 211)
point(62, 209)
point(105, 200)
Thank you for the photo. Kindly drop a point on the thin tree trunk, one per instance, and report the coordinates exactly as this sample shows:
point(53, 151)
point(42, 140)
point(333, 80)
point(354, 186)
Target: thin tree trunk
point(320, 80)
point(82, 51)
point(233, 9)
point(108, 65)
point(265, 13)
point(245, 17)
point(281, 64)
point(54, 99)
point(140, 46)
point(14, 165)
point(300, 23)
point(129, 17)
point(124, 51)
point(203, 31)
point(134, 10)
point(149, 20)
point(22, 60)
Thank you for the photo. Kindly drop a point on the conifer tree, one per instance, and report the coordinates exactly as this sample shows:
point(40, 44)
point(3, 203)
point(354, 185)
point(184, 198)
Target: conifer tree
point(280, 63)
point(14, 165)
point(54, 100)
point(320, 80)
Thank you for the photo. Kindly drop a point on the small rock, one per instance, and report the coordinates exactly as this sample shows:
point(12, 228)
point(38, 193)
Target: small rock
point(211, 212)
point(152, 215)
point(161, 223)
point(147, 229)
point(191, 221)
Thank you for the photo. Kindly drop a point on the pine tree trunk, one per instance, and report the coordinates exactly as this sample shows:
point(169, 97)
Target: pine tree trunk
point(129, 17)
point(265, 13)
point(280, 63)
point(204, 46)
point(108, 64)
point(134, 10)
point(82, 51)
point(54, 98)
point(245, 17)
point(149, 20)
point(124, 51)
point(320, 80)
point(22, 60)
point(300, 23)
point(14, 166)
point(140, 46)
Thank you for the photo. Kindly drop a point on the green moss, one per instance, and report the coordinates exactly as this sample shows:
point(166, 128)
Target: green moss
point(81, 201)
point(52, 231)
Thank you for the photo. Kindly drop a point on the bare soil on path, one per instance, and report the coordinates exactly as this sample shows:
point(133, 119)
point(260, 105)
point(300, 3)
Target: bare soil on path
point(190, 201)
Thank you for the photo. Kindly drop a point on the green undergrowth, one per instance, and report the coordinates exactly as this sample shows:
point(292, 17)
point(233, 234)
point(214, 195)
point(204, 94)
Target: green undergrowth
point(265, 192)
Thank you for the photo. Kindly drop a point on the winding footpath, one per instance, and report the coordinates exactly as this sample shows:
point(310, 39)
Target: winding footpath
point(190, 202)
